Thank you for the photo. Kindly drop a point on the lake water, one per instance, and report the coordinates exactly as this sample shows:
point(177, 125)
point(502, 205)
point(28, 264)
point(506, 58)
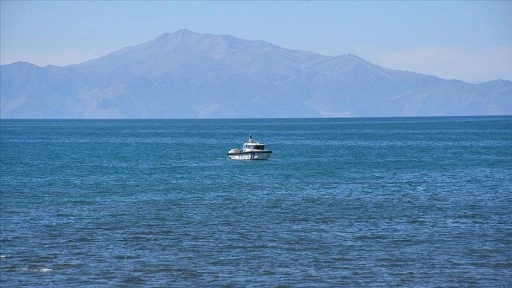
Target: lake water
point(341, 202)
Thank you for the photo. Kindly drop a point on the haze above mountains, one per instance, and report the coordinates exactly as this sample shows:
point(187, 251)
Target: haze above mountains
point(192, 75)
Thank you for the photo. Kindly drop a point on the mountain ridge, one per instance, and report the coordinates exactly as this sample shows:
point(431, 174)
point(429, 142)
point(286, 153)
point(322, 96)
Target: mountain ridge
point(192, 75)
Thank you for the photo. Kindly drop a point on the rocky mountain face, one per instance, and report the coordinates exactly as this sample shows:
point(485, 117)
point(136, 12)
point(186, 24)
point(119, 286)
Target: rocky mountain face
point(191, 75)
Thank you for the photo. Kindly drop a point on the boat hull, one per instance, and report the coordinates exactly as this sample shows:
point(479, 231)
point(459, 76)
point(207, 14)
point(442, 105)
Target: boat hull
point(263, 155)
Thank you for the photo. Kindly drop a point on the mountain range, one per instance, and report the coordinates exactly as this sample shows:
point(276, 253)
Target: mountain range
point(193, 75)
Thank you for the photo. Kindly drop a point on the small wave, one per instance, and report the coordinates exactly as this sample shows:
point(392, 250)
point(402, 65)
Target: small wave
point(38, 269)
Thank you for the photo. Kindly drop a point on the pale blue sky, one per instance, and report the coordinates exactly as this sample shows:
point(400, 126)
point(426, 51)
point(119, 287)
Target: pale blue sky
point(467, 40)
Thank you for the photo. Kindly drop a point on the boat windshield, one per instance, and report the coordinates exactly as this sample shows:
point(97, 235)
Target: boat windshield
point(256, 147)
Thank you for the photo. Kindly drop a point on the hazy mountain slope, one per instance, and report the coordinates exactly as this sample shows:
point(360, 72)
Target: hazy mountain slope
point(190, 75)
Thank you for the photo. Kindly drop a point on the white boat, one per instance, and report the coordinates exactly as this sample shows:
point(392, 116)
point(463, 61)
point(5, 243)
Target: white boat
point(251, 150)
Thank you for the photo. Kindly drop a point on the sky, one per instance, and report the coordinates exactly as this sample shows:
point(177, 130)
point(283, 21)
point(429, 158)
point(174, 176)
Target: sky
point(465, 40)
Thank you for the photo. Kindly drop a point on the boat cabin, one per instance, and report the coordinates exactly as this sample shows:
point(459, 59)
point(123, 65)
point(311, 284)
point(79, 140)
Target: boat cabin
point(254, 146)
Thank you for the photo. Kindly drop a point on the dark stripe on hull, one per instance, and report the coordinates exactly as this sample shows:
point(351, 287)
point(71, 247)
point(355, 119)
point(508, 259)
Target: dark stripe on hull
point(259, 152)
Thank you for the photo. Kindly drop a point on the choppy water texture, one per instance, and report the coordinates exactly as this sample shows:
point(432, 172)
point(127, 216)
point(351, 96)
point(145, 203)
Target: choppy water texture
point(341, 202)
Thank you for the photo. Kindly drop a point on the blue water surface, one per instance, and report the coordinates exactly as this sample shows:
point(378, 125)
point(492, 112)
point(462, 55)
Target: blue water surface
point(341, 202)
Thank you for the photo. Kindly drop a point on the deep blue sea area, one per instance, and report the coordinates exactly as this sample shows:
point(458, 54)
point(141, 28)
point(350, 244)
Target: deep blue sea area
point(341, 202)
